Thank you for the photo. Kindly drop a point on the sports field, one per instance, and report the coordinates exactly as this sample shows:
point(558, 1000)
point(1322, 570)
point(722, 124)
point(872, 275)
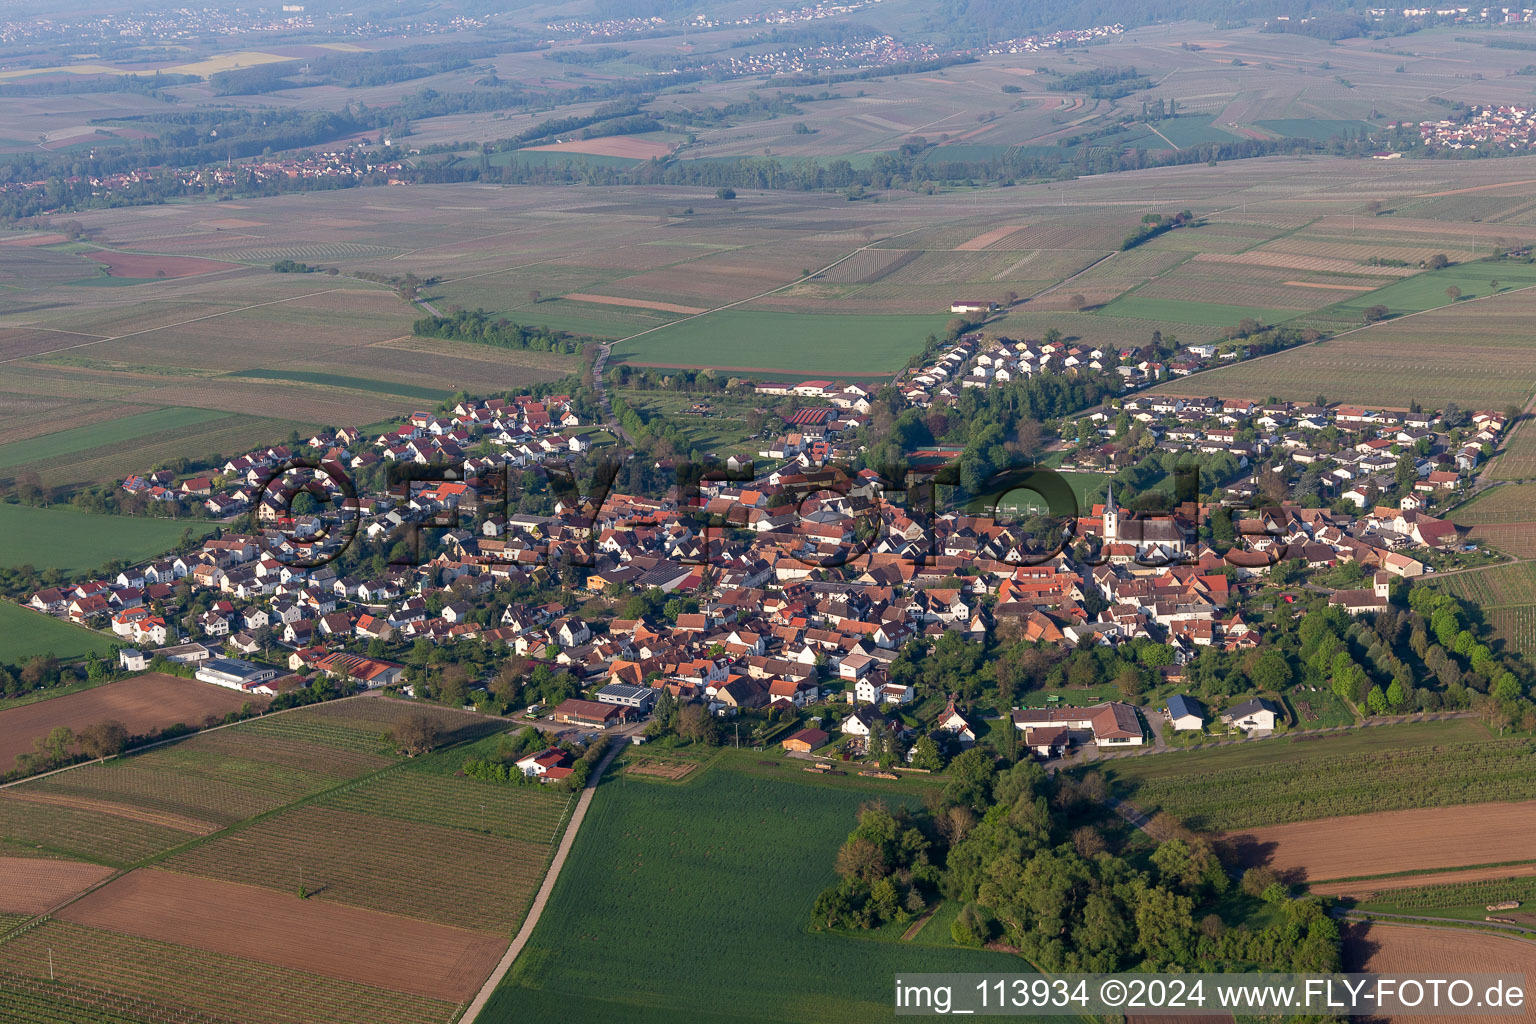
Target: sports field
point(663, 866)
point(768, 341)
point(74, 541)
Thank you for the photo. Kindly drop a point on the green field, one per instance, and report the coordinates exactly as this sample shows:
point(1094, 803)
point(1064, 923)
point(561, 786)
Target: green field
point(336, 380)
point(1466, 901)
point(1205, 314)
point(725, 868)
point(1191, 130)
point(1359, 771)
point(96, 435)
point(76, 542)
point(24, 633)
point(831, 344)
point(1428, 290)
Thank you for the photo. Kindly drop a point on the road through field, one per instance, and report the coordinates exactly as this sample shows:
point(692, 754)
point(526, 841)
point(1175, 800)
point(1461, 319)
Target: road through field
point(541, 899)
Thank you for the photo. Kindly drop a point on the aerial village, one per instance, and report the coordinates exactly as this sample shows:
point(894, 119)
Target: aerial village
point(799, 599)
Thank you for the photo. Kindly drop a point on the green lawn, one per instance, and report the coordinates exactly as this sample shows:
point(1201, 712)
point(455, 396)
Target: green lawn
point(831, 344)
point(1359, 771)
point(77, 542)
point(1205, 314)
point(96, 435)
point(24, 633)
point(691, 902)
point(336, 380)
point(1428, 290)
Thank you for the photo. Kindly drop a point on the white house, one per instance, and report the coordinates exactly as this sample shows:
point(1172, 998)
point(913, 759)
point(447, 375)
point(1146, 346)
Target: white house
point(1259, 714)
point(1185, 713)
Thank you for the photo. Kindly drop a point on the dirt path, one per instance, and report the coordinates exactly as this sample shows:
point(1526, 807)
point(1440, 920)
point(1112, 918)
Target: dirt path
point(917, 926)
point(541, 899)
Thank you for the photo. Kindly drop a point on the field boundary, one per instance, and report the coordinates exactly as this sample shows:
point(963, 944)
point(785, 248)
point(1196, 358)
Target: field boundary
point(546, 888)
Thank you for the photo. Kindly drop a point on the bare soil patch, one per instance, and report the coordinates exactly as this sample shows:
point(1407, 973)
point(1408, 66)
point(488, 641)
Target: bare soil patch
point(143, 703)
point(611, 300)
point(1360, 890)
point(662, 769)
point(1400, 949)
point(363, 946)
point(1431, 837)
point(1332, 287)
point(35, 886)
point(51, 238)
point(987, 238)
point(135, 264)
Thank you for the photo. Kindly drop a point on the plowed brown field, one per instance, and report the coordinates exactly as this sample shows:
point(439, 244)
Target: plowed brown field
point(35, 886)
point(364, 946)
point(1377, 844)
point(1437, 952)
point(137, 264)
point(142, 704)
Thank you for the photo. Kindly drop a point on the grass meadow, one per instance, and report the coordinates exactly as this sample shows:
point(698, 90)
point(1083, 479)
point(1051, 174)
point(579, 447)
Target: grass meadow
point(25, 633)
point(1277, 780)
point(81, 439)
point(727, 866)
point(76, 542)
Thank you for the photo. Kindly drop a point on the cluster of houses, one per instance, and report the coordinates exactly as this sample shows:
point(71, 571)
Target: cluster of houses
point(1355, 450)
point(978, 362)
point(1496, 127)
point(521, 432)
point(802, 584)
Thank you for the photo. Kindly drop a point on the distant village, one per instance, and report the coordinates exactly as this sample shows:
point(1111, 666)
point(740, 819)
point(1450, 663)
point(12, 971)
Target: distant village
point(1490, 127)
point(355, 162)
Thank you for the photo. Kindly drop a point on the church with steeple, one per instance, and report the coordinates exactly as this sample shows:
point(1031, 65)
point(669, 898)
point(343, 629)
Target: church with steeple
point(1154, 539)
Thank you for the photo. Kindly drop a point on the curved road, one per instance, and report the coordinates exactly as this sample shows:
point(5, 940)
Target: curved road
point(542, 898)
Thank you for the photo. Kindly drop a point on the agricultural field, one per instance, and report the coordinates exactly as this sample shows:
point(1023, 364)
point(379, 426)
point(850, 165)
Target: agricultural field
point(76, 542)
point(359, 946)
point(143, 704)
point(25, 634)
point(1469, 896)
point(1440, 356)
point(98, 970)
point(1391, 841)
point(622, 888)
point(1516, 459)
point(1281, 780)
point(292, 868)
point(360, 860)
point(1380, 948)
point(767, 342)
point(1505, 593)
point(1510, 503)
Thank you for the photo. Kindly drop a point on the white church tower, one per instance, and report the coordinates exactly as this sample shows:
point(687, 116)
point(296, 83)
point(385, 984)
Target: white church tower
point(1111, 517)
